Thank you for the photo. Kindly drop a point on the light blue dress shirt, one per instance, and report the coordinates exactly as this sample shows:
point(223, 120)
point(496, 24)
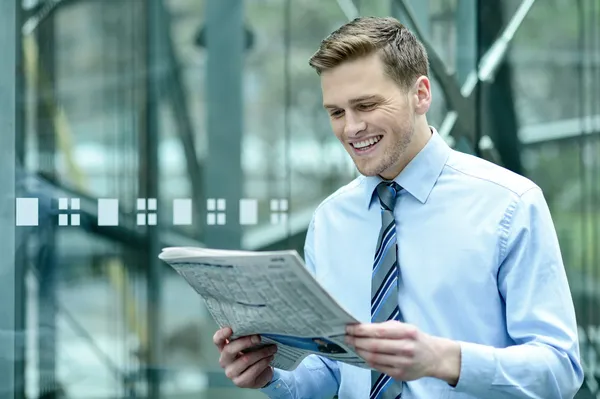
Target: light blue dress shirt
point(480, 264)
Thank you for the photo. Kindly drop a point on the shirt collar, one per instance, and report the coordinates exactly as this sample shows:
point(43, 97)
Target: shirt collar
point(421, 173)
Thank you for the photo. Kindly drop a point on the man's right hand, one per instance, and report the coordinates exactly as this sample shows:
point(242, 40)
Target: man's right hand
point(246, 370)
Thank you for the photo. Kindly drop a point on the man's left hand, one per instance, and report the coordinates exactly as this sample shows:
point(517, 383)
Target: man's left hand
point(403, 352)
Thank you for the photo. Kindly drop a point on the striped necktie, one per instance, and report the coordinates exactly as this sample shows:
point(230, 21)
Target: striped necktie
point(384, 286)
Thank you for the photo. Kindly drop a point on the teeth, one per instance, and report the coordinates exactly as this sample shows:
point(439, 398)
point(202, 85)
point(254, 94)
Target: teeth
point(366, 143)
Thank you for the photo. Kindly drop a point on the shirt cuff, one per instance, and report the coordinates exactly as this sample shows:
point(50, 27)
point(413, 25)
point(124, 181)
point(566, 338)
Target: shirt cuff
point(477, 369)
point(279, 387)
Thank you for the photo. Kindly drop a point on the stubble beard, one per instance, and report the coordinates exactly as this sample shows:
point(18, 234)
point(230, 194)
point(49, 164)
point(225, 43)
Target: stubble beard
point(391, 155)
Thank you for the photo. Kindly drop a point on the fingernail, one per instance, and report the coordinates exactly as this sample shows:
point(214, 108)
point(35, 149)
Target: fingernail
point(273, 349)
point(255, 339)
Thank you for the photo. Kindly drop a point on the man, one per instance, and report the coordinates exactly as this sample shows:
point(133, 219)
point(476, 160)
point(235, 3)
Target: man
point(451, 263)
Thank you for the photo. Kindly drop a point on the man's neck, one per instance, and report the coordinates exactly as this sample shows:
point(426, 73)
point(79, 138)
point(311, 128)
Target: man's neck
point(420, 138)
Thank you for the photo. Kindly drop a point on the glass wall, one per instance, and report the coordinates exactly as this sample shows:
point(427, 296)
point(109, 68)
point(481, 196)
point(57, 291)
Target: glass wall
point(128, 120)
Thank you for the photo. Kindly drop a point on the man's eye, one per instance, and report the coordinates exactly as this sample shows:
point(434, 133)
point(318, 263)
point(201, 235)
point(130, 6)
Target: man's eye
point(366, 106)
point(337, 113)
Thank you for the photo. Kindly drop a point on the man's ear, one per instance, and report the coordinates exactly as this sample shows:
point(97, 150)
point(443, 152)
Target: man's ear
point(422, 95)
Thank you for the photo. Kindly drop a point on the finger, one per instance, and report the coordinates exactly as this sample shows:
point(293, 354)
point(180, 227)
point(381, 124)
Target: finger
point(388, 329)
point(382, 360)
point(245, 361)
point(401, 347)
point(250, 377)
point(220, 337)
point(397, 373)
point(231, 350)
point(264, 377)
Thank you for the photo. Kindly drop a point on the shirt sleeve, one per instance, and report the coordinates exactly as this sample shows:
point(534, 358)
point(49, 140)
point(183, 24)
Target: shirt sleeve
point(540, 316)
point(316, 377)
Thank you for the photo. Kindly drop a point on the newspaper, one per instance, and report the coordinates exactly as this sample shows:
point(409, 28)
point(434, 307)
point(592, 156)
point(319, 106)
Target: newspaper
point(271, 294)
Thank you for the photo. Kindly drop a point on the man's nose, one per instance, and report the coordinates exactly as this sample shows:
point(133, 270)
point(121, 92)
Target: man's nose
point(353, 125)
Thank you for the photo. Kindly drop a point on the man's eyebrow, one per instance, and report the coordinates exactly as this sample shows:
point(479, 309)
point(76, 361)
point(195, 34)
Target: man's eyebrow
point(364, 98)
point(356, 100)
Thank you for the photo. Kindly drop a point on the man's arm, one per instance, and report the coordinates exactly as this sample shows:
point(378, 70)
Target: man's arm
point(316, 376)
point(540, 316)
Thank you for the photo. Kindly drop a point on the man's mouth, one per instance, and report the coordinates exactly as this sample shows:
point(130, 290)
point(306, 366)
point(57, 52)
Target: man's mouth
point(365, 145)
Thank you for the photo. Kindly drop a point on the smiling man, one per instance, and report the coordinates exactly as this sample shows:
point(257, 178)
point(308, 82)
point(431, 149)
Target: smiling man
point(451, 263)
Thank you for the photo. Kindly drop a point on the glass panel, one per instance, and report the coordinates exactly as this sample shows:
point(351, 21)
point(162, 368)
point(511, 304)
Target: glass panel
point(132, 117)
point(554, 61)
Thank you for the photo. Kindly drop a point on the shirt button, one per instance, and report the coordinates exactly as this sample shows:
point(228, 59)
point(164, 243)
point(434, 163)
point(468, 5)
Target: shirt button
point(278, 386)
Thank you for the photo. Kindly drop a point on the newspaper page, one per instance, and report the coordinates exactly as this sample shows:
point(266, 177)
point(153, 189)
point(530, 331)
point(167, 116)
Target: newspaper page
point(271, 294)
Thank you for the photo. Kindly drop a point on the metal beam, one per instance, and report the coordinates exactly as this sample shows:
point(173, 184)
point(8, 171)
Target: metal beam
point(20, 92)
point(8, 43)
point(496, 117)
point(349, 9)
point(224, 109)
point(460, 123)
point(29, 186)
point(421, 10)
point(46, 265)
point(42, 12)
point(561, 130)
point(156, 54)
point(461, 127)
point(21, 246)
point(172, 85)
point(466, 39)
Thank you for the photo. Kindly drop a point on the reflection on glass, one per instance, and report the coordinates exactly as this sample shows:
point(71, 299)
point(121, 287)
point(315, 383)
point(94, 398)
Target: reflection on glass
point(102, 80)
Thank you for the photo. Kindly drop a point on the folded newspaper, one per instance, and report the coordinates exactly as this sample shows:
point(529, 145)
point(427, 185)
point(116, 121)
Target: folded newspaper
point(271, 294)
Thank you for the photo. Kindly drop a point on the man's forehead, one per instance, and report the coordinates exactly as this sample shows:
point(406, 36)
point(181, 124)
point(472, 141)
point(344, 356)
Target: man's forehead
point(349, 85)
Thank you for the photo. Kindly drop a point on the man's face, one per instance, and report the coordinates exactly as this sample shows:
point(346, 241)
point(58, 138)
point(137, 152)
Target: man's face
point(370, 114)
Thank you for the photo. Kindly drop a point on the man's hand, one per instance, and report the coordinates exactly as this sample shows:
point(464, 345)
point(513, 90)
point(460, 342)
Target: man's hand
point(404, 353)
point(246, 370)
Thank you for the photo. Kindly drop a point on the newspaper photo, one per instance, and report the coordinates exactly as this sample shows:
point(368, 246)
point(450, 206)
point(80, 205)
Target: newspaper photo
point(271, 294)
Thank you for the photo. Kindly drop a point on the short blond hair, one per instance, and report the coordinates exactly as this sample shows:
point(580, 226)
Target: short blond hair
point(403, 55)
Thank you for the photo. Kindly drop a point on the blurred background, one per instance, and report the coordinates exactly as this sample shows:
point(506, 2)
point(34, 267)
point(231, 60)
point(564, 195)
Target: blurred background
point(125, 121)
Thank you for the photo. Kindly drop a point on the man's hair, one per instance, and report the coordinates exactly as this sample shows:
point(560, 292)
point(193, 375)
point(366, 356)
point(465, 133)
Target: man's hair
point(403, 55)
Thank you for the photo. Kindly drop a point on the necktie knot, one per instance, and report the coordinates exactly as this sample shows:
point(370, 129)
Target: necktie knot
point(387, 193)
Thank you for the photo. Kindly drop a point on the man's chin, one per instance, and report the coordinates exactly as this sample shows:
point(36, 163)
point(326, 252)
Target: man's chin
point(366, 171)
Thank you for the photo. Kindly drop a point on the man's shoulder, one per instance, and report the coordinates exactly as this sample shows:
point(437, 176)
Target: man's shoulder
point(475, 169)
point(349, 192)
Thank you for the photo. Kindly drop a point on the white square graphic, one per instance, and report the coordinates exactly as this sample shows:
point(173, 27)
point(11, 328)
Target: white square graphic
point(283, 205)
point(248, 211)
point(75, 219)
point(210, 219)
point(283, 218)
point(151, 204)
point(75, 204)
point(221, 204)
point(141, 219)
point(274, 205)
point(108, 212)
point(63, 220)
point(152, 219)
point(141, 204)
point(63, 203)
point(182, 212)
point(211, 204)
point(220, 218)
point(27, 212)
